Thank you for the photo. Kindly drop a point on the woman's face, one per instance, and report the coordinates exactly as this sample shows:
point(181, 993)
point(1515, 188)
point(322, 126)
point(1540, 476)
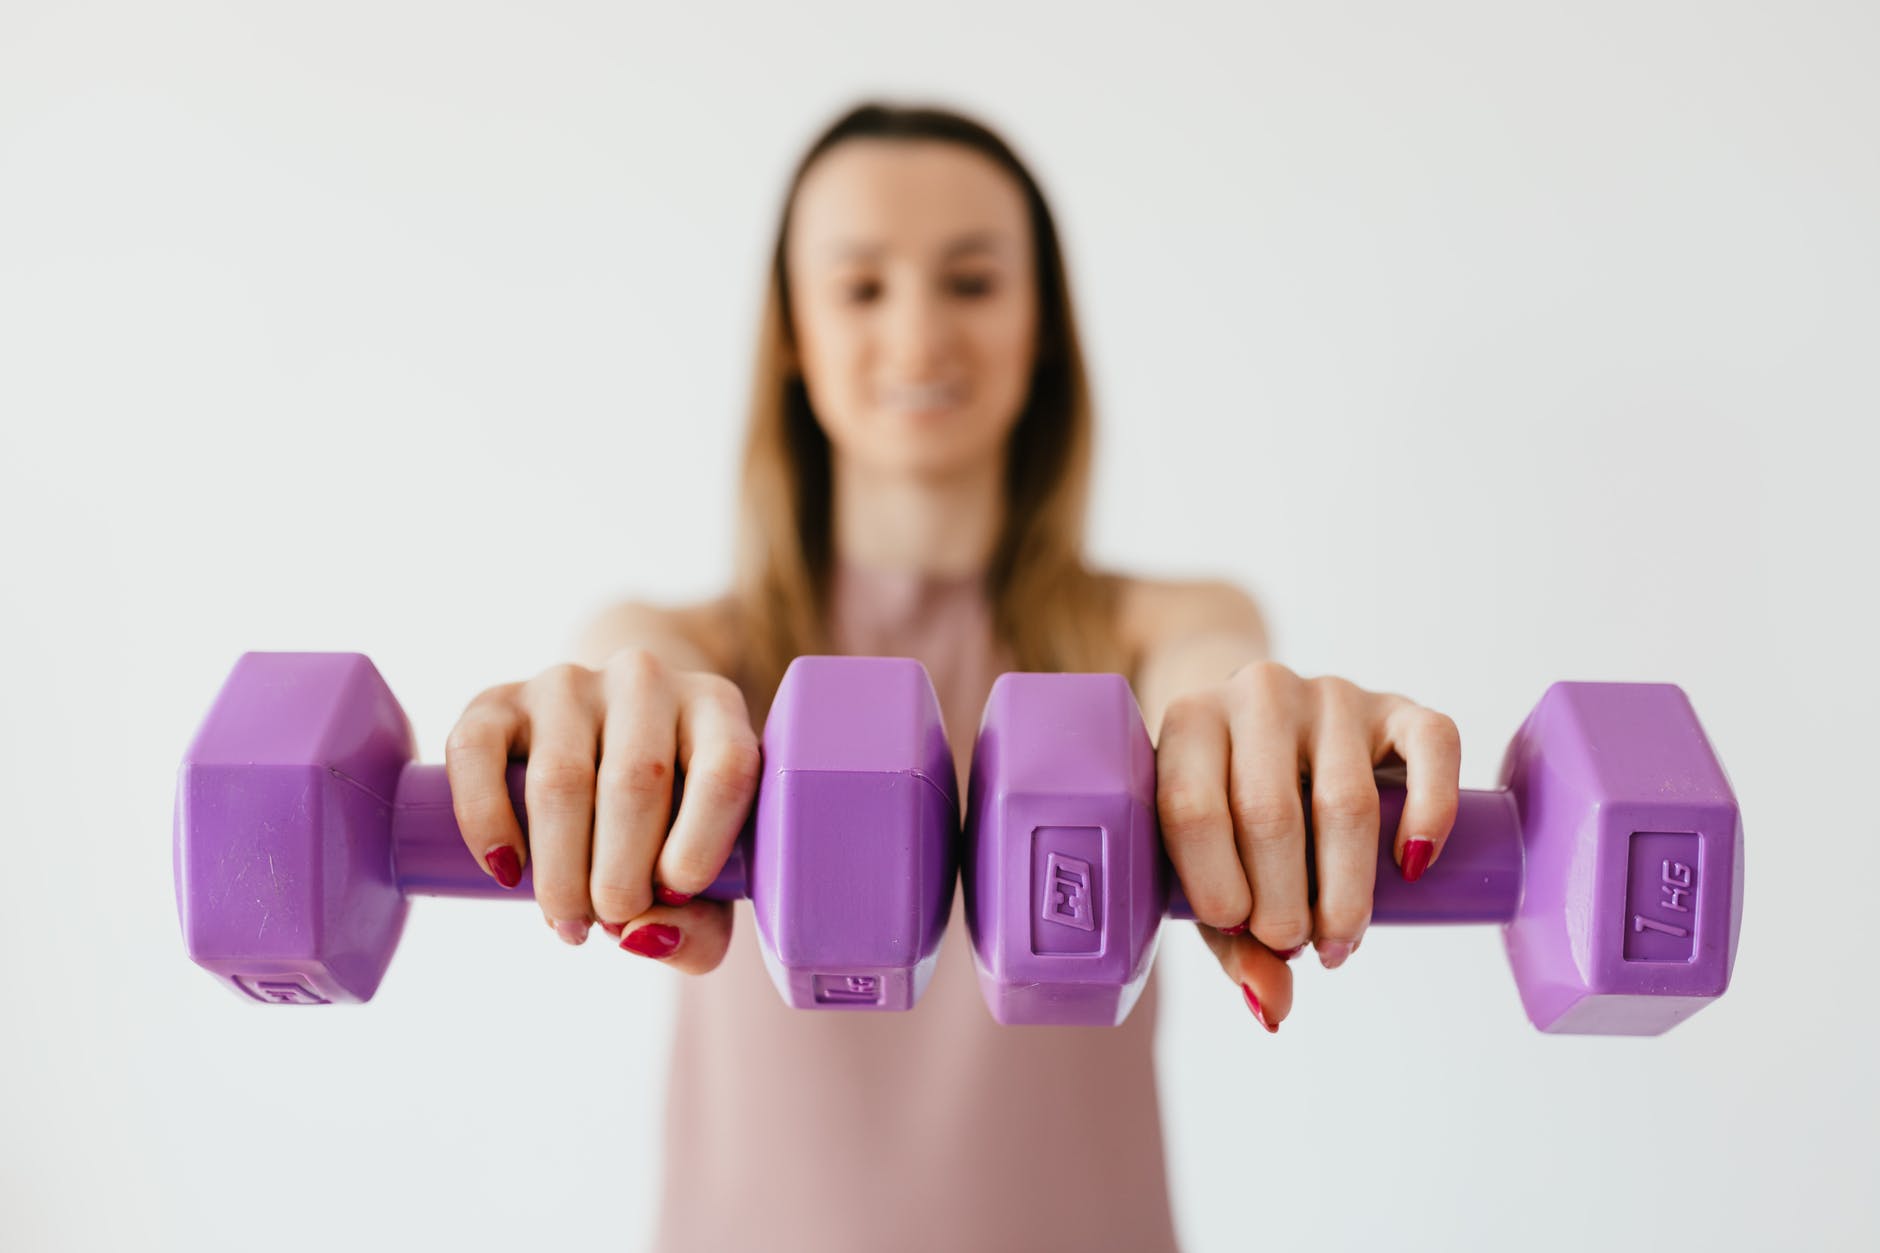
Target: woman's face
point(915, 303)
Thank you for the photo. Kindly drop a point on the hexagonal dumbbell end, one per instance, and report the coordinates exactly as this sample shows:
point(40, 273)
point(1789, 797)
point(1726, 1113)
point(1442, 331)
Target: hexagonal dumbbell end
point(1633, 861)
point(285, 883)
point(851, 909)
point(1064, 873)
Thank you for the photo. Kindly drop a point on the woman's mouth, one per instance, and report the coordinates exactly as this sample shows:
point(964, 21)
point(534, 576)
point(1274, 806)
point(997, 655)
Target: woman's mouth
point(922, 398)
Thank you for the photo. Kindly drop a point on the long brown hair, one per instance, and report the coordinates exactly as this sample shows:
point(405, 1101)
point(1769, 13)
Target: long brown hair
point(1054, 611)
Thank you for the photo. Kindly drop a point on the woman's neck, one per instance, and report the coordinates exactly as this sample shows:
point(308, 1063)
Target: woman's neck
point(938, 527)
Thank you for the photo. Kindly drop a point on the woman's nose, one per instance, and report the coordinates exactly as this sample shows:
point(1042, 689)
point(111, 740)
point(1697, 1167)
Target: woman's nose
point(919, 334)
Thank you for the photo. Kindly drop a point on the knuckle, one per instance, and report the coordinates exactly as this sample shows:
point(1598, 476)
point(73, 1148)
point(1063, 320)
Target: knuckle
point(557, 905)
point(731, 769)
point(560, 893)
point(1189, 812)
point(1212, 898)
point(722, 691)
point(1281, 928)
point(463, 737)
point(495, 694)
point(483, 812)
point(1345, 800)
point(560, 779)
point(689, 863)
point(1343, 918)
point(563, 678)
point(1189, 707)
point(614, 900)
point(1332, 689)
point(635, 665)
point(485, 720)
point(1268, 818)
point(1266, 677)
point(637, 776)
point(1441, 728)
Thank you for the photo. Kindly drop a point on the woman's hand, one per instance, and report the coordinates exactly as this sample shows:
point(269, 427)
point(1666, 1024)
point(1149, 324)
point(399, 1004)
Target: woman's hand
point(1239, 764)
point(601, 744)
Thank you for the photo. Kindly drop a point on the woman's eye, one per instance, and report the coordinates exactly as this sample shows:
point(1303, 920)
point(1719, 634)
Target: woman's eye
point(862, 293)
point(971, 284)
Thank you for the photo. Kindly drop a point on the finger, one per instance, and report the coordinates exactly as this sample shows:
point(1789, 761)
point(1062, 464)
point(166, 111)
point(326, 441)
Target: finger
point(722, 761)
point(1191, 805)
point(558, 792)
point(1266, 981)
point(691, 938)
point(1344, 817)
point(1431, 749)
point(476, 762)
point(633, 790)
point(1263, 798)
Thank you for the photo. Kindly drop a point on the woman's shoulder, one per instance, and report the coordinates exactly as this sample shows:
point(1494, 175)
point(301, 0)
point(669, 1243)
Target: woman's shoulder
point(695, 635)
point(1151, 611)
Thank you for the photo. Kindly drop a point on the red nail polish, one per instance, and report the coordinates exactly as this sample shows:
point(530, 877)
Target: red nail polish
point(1287, 955)
point(1236, 929)
point(653, 940)
point(505, 865)
point(1416, 858)
point(667, 896)
point(1253, 1003)
point(613, 928)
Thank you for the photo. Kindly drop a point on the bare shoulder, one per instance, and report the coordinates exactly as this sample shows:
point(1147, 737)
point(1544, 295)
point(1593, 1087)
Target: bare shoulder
point(1151, 612)
point(697, 636)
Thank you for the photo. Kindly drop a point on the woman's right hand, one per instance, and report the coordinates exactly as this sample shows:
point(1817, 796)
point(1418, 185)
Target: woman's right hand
point(600, 746)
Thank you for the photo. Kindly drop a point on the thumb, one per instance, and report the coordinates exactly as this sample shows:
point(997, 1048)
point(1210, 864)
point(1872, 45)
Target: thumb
point(692, 938)
point(1264, 978)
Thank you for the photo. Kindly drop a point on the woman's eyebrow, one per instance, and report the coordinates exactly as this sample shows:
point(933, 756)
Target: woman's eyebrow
point(978, 241)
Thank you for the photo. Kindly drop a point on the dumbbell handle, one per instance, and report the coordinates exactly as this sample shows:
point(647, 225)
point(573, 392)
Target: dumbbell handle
point(431, 859)
point(1477, 878)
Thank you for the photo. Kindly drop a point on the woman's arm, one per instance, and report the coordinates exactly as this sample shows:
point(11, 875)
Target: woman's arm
point(1236, 736)
point(1187, 635)
point(691, 637)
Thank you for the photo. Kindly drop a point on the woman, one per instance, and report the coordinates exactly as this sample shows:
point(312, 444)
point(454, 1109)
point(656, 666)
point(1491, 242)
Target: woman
point(915, 477)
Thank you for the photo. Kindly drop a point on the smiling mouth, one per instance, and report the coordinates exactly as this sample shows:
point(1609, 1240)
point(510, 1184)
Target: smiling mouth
point(922, 397)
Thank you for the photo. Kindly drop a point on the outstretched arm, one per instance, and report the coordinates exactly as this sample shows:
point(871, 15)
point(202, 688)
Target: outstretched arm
point(1236, 734)
point(1192, 635)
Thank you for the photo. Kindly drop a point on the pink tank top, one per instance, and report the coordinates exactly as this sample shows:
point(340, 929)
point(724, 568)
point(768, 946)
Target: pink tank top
point(792, 1130)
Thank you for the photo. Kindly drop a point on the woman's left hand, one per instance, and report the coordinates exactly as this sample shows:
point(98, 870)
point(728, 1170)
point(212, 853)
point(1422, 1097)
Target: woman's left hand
point(1239, 764)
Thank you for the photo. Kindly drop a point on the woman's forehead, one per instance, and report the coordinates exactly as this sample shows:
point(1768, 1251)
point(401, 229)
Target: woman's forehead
point(871, 199)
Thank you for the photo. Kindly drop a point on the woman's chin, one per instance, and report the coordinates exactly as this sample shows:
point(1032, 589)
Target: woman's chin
point(932, 455)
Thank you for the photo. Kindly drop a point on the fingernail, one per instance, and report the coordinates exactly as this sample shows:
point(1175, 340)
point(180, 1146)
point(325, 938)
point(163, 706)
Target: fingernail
point(669, 897)
point(572, 930)
point(1287, 955)
point(655, 939)
point(1236, 929)
point(1253, 1003)
point(1416, 858)
point(613, 928)
point(1332, 953)
point(505, 865)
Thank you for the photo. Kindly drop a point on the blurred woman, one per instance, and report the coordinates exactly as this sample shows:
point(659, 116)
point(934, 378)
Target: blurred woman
point(915, 477)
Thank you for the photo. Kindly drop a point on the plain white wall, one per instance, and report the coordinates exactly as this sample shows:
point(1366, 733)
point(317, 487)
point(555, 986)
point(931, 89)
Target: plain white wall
point(1488, 344)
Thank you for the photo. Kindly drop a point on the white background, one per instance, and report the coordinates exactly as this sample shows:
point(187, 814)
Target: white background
point(1488, 344)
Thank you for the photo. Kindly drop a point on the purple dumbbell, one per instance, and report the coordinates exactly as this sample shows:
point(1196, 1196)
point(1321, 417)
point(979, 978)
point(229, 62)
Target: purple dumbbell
point(303, 824)
point(1612, 856)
